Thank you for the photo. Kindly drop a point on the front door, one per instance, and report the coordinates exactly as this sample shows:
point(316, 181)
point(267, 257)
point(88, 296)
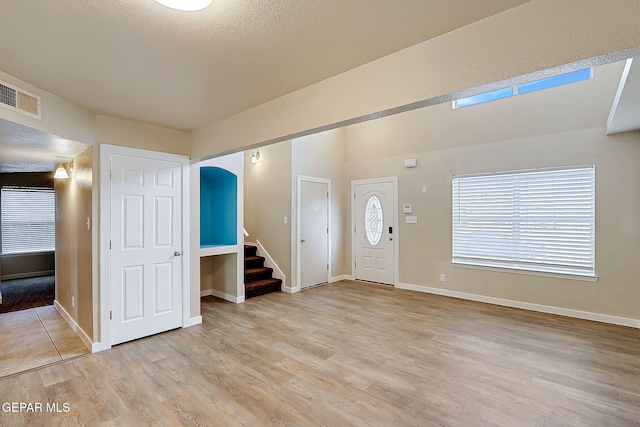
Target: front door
point(314, 232)
point(374, 234)
point(146, 246)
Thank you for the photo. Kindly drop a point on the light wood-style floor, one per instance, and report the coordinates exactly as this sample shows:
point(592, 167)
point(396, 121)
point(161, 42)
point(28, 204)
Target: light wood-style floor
point(36, 337)
point(350, 354)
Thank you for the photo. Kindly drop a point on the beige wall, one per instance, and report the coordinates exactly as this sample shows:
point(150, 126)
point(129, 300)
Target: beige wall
point(58, 117)
point(219, 275)
point(555, 127)
point(127, 133)
point(322, 156)
point(267, 200)
point(538, 35)
point(74, 246)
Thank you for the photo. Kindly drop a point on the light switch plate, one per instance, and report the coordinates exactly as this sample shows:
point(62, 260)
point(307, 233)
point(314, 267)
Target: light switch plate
point(407, 209)
point(411, 219)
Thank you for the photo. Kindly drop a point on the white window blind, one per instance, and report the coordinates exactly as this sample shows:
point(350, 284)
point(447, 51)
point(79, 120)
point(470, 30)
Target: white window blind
point(28, 219)
point(542, 220)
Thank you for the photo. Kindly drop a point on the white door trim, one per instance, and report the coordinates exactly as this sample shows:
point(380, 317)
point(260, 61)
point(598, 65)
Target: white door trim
point(105, 152)
point(396, 239)
point(301, 178)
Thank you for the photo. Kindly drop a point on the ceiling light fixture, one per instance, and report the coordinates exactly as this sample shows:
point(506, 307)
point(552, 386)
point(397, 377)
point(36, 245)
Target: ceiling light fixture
point(61, 172)
point(186, 5)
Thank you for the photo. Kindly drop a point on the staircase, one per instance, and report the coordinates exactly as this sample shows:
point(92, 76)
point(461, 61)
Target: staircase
point(258, 279)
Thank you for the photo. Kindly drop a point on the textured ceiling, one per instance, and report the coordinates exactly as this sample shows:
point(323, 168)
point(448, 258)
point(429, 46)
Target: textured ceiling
point(139, 60)
point(23, 149)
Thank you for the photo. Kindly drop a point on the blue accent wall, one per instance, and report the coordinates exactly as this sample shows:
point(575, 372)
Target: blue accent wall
point(218, 207)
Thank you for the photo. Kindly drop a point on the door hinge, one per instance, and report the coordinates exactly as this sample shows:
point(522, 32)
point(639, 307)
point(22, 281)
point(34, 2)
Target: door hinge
point(110, 173)
point(109, 244)
point(327, 231)
point(327, 194)
point(327, 266)
point(110, 315)
point(354, 195)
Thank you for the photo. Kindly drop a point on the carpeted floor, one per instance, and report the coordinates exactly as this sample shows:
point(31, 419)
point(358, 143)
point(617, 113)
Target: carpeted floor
point(20, 294)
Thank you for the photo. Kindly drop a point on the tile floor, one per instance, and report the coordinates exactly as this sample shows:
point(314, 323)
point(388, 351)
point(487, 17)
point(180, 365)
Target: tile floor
point(34, 338)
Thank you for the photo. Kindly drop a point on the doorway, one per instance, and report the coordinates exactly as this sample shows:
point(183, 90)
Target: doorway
point(313, 231)
point(375, 242)
point(146, 269)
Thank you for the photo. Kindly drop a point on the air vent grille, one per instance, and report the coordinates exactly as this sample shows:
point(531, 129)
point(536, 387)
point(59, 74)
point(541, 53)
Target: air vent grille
point(7, 96)
point(28, 104)
point(19, 100)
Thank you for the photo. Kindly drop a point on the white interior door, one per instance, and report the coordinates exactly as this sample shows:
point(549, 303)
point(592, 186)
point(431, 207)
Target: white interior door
point(314, 233)
point(146, 246)
point(374, 221)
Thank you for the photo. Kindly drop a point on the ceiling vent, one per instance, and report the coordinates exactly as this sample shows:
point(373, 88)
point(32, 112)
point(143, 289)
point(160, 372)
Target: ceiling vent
point(19, 100)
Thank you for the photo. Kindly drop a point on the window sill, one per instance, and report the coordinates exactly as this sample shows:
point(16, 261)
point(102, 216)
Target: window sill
point(526, 272)
point(19, 254)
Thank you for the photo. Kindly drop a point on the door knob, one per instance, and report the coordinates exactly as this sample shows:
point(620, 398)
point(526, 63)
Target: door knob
point(302, 241)
point(176, 253)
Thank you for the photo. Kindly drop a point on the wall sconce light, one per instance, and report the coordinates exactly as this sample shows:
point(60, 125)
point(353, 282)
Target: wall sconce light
point(71, 168)
point(61, 172)
point(255, 157)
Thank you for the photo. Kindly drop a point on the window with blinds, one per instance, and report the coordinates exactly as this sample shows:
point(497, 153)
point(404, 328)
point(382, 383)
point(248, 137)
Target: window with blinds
point(28, 219)
point(540, 220)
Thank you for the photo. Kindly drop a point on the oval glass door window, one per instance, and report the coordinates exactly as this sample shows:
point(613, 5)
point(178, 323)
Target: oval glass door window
point(373, 220)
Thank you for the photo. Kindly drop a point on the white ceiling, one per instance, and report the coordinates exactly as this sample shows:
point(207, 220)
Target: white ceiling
point(23, 149)
point(139, 60)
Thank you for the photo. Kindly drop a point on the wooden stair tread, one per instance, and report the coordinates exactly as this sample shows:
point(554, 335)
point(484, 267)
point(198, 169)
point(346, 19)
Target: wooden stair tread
point(263, 282)
point(257, 270)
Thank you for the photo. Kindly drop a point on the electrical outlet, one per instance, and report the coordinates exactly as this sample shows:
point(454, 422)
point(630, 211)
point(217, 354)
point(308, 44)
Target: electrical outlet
point(88, 223)
point(442, 277)
point(424, 188)
point(73, 301)
point(286, 220)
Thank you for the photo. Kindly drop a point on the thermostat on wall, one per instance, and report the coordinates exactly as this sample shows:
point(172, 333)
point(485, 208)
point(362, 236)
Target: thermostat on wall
point(410, 163)
point(407, 209)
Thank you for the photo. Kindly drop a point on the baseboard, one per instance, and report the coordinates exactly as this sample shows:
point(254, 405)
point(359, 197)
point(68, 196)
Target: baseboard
point(28, 275)
point(205, 293)
point(339, 278)
point(98, 346)
point(76, 328)
point(586, 315)
point(193, 321)
point(290, 290)
point(226, 297)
